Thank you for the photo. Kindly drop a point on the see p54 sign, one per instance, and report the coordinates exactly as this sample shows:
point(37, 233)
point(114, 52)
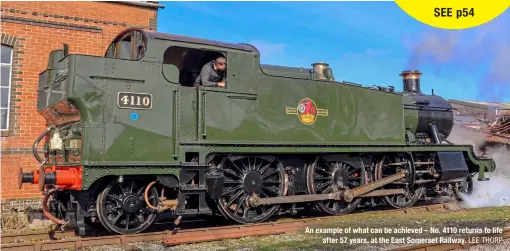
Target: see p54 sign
point(453, 14)
point(448, 12)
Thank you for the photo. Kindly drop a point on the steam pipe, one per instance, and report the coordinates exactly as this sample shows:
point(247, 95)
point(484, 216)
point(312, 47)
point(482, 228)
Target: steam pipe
point(46, 211)
point(36, 142)
point(434, 132)
point(165, 204)
point(146, 196)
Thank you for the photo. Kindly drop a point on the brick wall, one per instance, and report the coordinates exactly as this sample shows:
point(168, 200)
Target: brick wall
point(33, 30)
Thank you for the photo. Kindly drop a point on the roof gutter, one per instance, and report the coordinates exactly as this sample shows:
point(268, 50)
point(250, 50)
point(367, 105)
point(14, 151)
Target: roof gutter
point(154, 5)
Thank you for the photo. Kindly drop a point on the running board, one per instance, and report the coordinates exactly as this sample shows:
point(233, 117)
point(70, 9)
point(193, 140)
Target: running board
point(346, 195)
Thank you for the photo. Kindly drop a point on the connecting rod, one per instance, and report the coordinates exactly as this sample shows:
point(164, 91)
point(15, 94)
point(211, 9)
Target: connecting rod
point(347, 195)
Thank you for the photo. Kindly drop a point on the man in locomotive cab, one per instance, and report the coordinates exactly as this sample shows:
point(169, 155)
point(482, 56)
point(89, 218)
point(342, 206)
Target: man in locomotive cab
point(212, 73)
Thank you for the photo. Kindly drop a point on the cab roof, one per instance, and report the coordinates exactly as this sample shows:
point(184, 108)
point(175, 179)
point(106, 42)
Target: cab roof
point(179, 38)
point(186, 39)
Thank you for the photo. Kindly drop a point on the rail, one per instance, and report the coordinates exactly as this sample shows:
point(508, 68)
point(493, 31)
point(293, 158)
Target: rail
point(64, 240)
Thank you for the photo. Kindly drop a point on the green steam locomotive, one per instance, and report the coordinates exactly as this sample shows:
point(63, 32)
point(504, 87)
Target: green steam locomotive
point(129, 136)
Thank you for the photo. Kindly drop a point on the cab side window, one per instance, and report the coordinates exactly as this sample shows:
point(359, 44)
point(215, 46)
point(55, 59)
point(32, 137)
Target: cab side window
point(188, 63)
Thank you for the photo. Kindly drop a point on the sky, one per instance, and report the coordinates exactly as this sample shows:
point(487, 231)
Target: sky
point(369, 43)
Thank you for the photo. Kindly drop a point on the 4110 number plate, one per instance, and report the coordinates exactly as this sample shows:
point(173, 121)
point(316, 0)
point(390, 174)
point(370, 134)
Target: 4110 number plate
point(132, 100)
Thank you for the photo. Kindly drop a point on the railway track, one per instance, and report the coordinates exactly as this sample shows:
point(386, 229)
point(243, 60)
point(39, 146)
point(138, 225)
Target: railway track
point(68, 240)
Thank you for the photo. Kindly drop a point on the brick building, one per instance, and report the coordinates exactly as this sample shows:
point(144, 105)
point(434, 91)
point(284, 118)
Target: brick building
point(30, 31)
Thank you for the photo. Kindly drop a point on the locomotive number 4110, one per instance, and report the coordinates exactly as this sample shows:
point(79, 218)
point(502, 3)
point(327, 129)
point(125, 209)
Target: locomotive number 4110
point(131, 100)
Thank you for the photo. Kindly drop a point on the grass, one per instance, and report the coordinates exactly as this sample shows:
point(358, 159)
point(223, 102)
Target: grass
point(310, 240)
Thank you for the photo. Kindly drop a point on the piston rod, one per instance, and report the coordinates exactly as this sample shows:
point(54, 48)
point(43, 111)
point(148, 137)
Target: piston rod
point(383, 192)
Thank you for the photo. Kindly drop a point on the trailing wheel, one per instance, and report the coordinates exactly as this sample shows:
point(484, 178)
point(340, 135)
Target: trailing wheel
point(325, 176)
point(121, 206)
point(244, 177)
point(466, 187)
point(413, 191)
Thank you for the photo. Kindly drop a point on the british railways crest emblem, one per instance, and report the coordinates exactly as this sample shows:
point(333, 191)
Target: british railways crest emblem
point(306, 111)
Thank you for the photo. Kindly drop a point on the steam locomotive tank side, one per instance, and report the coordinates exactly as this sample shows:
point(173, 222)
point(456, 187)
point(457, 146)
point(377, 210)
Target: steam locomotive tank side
point(425, 116)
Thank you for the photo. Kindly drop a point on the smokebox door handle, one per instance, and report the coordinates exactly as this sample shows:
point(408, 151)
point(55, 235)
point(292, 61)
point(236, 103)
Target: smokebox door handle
point(423, 102)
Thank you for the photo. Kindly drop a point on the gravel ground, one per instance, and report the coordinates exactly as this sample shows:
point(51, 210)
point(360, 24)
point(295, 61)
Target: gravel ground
point(503, 246)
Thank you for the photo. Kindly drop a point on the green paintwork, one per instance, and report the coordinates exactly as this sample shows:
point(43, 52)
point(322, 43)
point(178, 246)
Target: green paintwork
point(249, 115)
point(410, 116)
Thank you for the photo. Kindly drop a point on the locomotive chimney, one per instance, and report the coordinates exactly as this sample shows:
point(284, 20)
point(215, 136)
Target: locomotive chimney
point(411, 81)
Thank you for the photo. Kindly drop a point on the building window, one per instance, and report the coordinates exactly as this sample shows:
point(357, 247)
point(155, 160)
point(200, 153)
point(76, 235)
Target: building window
point(6, 64)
